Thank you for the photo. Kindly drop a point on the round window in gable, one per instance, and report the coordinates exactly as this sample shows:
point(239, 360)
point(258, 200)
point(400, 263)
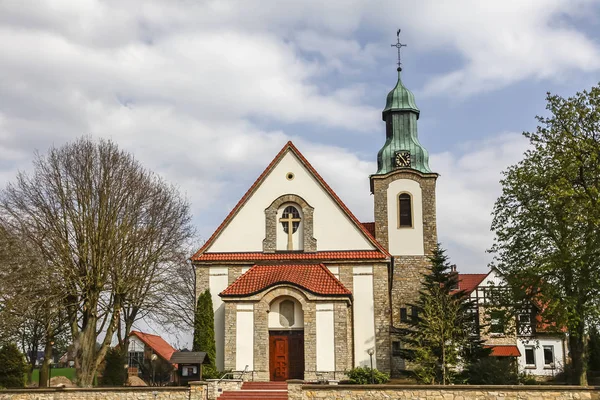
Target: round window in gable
point(289, 176)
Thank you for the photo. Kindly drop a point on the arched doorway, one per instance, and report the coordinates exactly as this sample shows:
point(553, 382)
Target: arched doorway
point(286, 339)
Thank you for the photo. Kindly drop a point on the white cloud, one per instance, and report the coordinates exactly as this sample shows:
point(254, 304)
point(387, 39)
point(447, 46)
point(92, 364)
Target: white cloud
point(466, 191)
point(204, 91)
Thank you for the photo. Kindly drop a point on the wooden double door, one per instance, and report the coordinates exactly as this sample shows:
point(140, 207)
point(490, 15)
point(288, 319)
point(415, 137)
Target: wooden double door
point(286, 355)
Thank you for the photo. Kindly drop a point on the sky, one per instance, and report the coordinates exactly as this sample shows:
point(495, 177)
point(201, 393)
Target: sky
point(206, 93)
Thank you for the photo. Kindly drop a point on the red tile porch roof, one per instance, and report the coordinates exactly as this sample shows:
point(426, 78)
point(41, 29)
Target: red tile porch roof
point(504, 351)
point(315, 278)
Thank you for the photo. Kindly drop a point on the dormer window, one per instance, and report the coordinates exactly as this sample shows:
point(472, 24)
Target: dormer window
point(405, 210)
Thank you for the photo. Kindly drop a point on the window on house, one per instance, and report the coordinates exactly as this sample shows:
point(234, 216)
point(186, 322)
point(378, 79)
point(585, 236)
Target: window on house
point(403, 315)
point(497, 322)
point(396, 349)
point(136, 359)
point(548, 356)
point(524, 326)
point(529, 356)
point(405, 210)
point(415, 312)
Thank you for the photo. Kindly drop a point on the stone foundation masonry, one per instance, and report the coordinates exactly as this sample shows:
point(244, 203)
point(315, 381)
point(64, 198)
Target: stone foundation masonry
point(299, 391)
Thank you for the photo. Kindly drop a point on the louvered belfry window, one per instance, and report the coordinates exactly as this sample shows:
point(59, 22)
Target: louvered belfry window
point(405, 210)
point(293, 213)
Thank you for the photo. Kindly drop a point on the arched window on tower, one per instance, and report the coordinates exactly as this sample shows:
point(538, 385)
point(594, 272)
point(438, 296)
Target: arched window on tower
point(405, 211)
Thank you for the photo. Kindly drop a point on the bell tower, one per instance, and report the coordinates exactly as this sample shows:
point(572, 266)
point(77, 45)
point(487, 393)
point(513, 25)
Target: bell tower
point(404, 200)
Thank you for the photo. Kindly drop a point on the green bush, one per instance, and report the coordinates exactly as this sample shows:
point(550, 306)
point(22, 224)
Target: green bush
point(115, 373)
point(362, 376)
point(12, 367)
point(527, 379)
point(492, 371)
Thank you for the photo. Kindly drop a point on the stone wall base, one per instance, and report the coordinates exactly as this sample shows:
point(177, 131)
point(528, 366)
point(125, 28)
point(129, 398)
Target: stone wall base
point(299, 391)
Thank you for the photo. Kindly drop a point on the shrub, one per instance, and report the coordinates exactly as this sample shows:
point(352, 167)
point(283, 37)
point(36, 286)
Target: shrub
point(527, 379)
point(492, 371)
point(362, 376)
point(115, 373)
point(12, 367)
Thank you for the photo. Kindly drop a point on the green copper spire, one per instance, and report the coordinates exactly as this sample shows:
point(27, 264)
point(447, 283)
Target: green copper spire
point(400, 115)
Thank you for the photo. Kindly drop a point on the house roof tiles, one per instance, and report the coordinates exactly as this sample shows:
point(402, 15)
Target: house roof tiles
point(319, 255)
point(468, 282)
point(156, 343)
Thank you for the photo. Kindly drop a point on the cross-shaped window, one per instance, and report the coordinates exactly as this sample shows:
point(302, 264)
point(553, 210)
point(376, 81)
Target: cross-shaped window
point(290, 220)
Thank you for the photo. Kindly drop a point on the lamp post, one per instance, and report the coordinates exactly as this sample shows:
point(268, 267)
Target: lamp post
point(153, 358)
point(370, 352)
point(50, 362)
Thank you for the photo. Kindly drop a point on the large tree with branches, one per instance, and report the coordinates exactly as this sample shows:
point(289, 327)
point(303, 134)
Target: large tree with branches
point(108, 231)
point(548, 218)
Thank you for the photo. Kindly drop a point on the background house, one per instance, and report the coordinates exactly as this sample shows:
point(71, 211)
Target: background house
point(539, 348)
point(149, 357)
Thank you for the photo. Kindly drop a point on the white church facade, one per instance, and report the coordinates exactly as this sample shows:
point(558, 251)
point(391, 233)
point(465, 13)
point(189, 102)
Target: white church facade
point(303, 290)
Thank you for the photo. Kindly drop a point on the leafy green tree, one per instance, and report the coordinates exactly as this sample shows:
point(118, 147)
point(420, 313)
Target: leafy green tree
point(442, 334)
point(114, 373)
point(204, 332)
point(547, 220)
point(12, 367)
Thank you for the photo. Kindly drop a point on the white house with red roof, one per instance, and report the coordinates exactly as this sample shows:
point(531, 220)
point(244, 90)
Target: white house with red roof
point(539, 348)
point(300, 287)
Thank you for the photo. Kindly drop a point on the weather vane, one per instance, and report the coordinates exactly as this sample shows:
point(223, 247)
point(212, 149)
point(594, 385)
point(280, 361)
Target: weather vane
point(398, 45)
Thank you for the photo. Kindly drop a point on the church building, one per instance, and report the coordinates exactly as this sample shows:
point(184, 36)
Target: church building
point(301, 288)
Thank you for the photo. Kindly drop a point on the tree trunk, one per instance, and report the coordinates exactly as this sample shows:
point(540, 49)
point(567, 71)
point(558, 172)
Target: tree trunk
point(44, 377)
point(85, 357)
point(578, 375)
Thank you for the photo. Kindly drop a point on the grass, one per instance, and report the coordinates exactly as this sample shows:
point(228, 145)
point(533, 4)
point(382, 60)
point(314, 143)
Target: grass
point(68, 372)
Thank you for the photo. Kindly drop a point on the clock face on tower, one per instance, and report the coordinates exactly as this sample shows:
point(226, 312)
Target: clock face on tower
point(402, 159)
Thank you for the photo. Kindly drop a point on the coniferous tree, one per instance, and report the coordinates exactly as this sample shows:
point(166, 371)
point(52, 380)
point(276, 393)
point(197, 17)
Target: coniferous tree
point(115, 373)
point(12, 367)
point(441, 335)
point(204, 332)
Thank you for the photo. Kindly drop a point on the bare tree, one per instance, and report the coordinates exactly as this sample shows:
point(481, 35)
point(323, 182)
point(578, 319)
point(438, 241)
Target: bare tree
point(29, 301)
point(105, 228)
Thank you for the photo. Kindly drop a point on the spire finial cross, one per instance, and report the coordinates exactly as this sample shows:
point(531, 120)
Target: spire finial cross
point(398, 45)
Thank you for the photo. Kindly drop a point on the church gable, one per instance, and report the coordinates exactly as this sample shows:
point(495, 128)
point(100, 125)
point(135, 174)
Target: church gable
point(290, 208)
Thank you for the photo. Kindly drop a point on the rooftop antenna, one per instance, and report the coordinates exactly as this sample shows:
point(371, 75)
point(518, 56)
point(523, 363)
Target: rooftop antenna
point(398, 45)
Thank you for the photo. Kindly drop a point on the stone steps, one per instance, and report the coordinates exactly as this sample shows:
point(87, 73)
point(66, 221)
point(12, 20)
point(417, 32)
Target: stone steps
point(258, 390)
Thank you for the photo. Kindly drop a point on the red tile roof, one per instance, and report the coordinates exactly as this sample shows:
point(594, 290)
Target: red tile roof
point(319, 255)
point(370, 227)
point(288, 146)
point(468, 282)
point(504, 351)
point(315, 278)
point(156, 343)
